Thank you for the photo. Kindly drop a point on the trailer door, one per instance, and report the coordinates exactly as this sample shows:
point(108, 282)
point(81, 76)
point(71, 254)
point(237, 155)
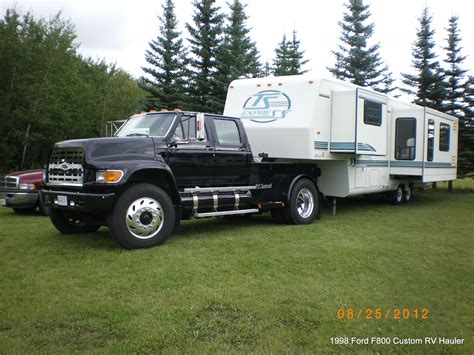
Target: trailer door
point(407, 142)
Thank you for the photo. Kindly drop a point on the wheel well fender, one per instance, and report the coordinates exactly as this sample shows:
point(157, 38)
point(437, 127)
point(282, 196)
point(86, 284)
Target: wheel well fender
point(296, 179)
point(158, 177)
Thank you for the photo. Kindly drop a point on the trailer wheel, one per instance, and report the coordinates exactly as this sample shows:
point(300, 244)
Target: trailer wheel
point(144, 216)
point(71, 222)
point(303, 204)
point(396, 197)
point(407, 193)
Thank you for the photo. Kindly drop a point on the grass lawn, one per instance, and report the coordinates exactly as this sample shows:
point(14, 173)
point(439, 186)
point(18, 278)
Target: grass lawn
point(245, 285)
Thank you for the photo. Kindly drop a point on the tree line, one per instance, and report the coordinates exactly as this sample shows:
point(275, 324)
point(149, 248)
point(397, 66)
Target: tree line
point(195, 75)
point(49, 93)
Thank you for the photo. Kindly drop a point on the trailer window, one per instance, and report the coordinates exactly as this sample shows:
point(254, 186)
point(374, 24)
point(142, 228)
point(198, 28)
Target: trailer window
point(444, 137)
point(430, 142)
point(372, 113)
point(405, 138)
point(227, 132)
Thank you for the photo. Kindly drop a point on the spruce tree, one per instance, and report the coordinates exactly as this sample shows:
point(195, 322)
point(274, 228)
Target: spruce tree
point(466, 131)
point(166, 82)
point(296, 57)
point(289, 58)
point(265, 70)
point(238, 55)
point(205, 38)
point(281, 63)
point(356, 61)
point(427, 82)
point(454, 74)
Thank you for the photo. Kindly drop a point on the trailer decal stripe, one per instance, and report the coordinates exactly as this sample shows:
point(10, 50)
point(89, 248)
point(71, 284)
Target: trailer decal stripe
point(405, 164)
point(321, 145)
point(343, 146)
point(351, 146)
point(382, 163)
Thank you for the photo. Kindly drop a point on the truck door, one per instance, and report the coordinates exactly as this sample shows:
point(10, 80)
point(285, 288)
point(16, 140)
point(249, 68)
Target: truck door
point(233, 155)
point(191, 160)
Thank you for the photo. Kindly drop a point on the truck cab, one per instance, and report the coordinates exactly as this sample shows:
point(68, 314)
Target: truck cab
point(162, 167)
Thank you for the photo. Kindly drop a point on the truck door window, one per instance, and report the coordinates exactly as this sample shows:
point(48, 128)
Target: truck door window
point(186, 129)
point(405, 138)
point(227, 132)
point(444, 137)
point(430, 147)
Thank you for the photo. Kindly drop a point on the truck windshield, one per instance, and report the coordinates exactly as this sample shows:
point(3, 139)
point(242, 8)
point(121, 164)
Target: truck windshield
point(156, 125)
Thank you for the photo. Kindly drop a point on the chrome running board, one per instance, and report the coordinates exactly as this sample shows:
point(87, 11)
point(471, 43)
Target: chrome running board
point(224, 213)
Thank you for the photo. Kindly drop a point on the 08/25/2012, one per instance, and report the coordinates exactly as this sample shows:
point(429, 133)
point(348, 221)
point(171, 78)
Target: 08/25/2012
point(382, 313)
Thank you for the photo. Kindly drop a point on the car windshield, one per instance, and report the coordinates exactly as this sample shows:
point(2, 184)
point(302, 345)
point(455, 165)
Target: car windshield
point(156, 125)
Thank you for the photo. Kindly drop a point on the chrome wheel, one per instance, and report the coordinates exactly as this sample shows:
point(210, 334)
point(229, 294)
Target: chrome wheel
point(144, 218)
point(305, 203)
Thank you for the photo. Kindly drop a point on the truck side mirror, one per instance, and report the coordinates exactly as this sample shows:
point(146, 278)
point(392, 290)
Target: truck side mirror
point(200, 130)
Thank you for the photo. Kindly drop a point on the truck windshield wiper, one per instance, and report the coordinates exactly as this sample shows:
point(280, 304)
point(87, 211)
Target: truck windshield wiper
point(137, 135)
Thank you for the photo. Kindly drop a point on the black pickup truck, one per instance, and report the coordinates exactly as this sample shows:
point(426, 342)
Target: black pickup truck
point(163, 167)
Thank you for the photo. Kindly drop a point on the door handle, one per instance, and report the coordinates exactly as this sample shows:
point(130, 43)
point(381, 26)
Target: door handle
point(209, 147)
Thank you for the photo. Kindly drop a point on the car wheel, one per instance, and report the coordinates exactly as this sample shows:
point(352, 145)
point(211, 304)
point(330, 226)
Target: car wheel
point(396, 197)
point(303, 205)
point(71, 222)
point(144, 216)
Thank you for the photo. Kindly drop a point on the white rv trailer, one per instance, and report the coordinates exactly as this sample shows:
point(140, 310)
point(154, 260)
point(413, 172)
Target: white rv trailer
point(363, 141)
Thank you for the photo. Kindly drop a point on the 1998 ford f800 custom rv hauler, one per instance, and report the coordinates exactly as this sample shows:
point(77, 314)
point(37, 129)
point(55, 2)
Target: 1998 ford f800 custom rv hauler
point(307, 136)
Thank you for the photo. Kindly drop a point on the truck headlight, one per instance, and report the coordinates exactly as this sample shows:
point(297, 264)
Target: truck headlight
point(27, 186)
point(108, 176)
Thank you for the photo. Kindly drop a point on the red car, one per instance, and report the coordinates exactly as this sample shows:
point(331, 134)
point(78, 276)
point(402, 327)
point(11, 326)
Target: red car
point(20, 191)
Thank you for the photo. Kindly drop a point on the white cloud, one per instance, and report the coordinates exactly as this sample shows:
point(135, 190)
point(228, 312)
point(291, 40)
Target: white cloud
point(119, 31)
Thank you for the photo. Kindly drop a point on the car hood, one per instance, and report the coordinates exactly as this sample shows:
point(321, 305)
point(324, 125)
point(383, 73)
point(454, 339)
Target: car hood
point(113, 148)
point(28, 173)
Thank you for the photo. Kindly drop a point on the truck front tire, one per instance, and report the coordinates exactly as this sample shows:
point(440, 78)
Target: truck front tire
point(303, 204)
point(71, 222)
point(144, 216)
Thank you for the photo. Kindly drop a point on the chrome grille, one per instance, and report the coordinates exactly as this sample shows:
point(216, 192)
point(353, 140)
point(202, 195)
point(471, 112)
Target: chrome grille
point(66, 167)
point(9, 182)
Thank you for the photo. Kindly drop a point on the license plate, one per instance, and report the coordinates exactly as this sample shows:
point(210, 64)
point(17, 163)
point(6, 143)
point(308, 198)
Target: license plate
point(62, 200)
point(3, 202)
